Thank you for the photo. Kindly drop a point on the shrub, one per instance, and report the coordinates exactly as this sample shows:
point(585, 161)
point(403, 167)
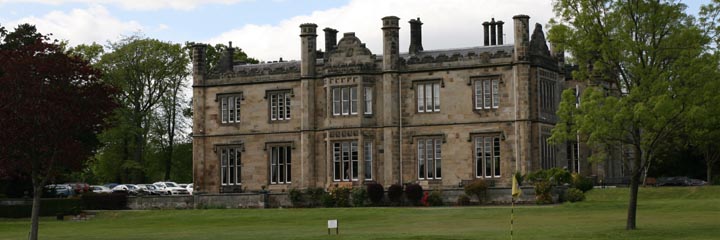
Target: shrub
point(556, 176)
point(413, 193)
point(359, 197)
point(395, 192)
point(296, 197)
point(48, 207)
point(715, 180)
point(581, 183)
point(519, 178)
point(313, 196)
point(375, 192)
point(542, 192)
point(105, 201)
point(435, 199)
point(477, 188)
point(327, 200)
point(463, 200)
point(341, 196)
point(574, 195)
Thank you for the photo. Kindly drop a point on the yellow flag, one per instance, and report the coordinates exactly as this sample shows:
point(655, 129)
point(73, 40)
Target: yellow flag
point(516, 192)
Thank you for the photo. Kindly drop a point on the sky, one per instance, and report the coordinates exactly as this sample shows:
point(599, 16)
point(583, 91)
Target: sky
point(269, 29)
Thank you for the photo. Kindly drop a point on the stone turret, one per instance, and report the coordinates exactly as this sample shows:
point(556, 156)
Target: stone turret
point(391, 42)
point(522, 37)
point(499, 26)
point(415, 36)
point(308, 47)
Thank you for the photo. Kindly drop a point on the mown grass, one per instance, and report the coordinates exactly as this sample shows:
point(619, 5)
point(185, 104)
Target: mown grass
point(664, 213)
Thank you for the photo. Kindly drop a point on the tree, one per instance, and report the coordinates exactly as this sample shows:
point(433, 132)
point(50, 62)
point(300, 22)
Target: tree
point(52, 106)
point(645, 61)
point(145, 70)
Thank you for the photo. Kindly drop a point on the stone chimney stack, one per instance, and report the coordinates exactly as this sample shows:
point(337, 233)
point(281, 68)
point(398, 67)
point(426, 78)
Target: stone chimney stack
point(391, 42)
point(330, 40)
point(415, 36)
point(199, 62)
point(308, 50)
point(486, 33)
point(229, 57)
point(493, 37)
point(499, 25)
point(522, 37)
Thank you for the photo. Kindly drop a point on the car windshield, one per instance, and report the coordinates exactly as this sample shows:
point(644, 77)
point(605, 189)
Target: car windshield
point(151, 187)
point(169, 184)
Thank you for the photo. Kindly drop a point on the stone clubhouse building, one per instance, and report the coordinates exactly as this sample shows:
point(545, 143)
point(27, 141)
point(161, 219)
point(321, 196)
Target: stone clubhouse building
point(347, 116)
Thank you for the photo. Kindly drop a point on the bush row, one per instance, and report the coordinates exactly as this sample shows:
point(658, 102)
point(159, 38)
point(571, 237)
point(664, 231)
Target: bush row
point(68, 206)
point(372, 194)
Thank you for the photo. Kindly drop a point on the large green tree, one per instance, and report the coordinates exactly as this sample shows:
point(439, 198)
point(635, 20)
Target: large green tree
point(146, 71)
point(645, 62)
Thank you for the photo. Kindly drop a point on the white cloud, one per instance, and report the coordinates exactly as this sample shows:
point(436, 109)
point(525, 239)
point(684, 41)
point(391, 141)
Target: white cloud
point(135, 4)
point(447, 24)
point(94, 24)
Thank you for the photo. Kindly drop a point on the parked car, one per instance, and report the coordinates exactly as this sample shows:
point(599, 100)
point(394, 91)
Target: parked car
point(190, 188)
point(100, 189)
point(150, 189)
point(59, 190)
point(111, 185)
point(172, 187)
point(79, 187)
point(680, 181)
point(128, 188)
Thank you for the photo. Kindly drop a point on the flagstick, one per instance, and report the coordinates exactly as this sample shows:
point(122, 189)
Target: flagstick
point(512, 216)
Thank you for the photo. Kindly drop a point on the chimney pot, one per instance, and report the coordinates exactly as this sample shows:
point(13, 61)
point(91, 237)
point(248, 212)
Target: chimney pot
point(415, 36)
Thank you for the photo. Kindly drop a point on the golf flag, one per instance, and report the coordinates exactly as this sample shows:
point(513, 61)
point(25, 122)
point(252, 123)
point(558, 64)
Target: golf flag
point(515, 188)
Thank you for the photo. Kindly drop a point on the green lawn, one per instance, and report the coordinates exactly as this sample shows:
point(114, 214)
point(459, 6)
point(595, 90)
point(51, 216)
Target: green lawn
point(664, 213)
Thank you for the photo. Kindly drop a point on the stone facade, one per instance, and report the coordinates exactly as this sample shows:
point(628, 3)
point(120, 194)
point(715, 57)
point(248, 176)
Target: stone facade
point(348, 111)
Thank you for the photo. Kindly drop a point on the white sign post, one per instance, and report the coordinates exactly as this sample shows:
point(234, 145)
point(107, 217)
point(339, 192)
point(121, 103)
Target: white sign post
point(333, 224)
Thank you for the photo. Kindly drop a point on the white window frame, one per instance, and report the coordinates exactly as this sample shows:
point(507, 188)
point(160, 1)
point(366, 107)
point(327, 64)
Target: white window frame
point(368, 158)
point(346, 165)
point(428, 96)
point(486, 93)
point(280, 164)
point(230, 108)
point(230, 167)
point(429, 155)
point(344, 100)
point(487, 156)
point(368, 100)
point(279, 105)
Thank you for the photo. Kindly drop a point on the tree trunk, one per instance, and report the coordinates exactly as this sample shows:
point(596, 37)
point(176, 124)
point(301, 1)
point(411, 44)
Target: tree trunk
point(632, 206)
point(35, 216)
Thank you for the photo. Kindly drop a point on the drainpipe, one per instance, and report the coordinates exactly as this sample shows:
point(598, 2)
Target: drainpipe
point(400, 139)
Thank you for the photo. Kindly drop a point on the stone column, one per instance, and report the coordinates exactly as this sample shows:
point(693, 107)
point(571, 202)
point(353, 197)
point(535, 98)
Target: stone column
point(390, 99)
point(308, 49)
point(522, 97)
point(493, 37)
point(499, 25)
point(307, 102)
point(199, 70)
point(486, 33)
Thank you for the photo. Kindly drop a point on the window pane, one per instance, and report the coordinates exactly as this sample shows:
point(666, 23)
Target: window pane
point(336, 101)
point(354, 158)
point(368, 160)
point(478, 157)
point(345, 101)
point(273, 107)
point(486, 94)
point(273, 166)
point(287, 106)
point(429, 158)
point(346, 161)
point(336, 161)
point(368, 100)
point(478, 94)
point(231, 109)
point(495, 94)
point(436, 96)
point(488, 156)
point(223, 110)
point(421, 97)
point(288, 161)
point(281, 107)
point(496, 155)
point(238, 167)
point(223, 166)
point(438, 158)
point(237, 109)
point(428, 98)
point(353, 100)
point(421, 159)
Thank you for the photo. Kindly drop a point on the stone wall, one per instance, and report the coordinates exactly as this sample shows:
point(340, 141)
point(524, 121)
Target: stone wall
point(232, 200)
